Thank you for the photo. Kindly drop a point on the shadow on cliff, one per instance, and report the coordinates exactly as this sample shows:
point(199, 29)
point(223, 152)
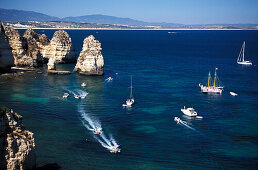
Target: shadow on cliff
point(53, 166)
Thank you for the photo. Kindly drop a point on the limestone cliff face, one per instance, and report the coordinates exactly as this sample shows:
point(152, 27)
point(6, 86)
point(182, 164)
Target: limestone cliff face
point(35, 46)
point(6, 57)
point(18, 44)
point(17, 144)
point(90, 61)
point(60, 48)
point(51, 64)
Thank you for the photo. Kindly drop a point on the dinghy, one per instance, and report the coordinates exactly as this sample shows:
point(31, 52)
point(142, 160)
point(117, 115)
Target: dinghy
point(233, 94)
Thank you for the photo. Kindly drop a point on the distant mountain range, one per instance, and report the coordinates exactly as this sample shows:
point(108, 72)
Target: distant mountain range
point(13, 15)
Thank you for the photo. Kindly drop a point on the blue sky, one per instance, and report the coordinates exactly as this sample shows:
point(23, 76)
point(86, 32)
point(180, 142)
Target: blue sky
point(174, 11)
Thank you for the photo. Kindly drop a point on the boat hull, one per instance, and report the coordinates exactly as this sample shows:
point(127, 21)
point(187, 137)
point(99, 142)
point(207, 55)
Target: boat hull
point(188, 113)
point(245, 63)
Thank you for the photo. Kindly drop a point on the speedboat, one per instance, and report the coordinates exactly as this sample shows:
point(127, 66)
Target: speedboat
point(189, 111)
point(177, 119)
point(109, 79)
point(233, 94)
point(129, 102)
point(83, 84)
point(65, 95)
point(97, 131)
point(77, 97)
point(114, 149)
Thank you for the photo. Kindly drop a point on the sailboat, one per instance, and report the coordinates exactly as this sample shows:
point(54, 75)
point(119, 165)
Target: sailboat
point(211, 89)
point(129, 102)
point(241, 57)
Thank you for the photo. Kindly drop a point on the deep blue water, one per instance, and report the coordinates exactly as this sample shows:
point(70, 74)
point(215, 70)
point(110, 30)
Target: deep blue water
point(166, 70)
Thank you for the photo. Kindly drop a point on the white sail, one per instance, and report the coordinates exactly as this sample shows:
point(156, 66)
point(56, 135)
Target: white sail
point(241, 56)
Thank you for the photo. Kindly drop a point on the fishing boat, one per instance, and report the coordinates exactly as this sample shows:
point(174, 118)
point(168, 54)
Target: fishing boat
point(241, 57)
point(189, 111)
point(83, 84)
point(233, 94)
point(212, 89)
point(129, 102)
point(65, 95)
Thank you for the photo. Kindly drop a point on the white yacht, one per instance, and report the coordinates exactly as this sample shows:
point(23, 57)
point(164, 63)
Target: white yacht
point(241, 57)
point(212, 89)
point(189, 111)
point(129, 102)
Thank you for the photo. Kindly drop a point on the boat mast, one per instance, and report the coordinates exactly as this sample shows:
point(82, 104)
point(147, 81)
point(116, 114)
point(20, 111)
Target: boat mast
point(243, 52)
point(215, 77)
point(209, 78)
point(131, 92)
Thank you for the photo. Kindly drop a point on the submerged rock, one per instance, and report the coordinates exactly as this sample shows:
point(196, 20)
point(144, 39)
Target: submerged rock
point(90, 60)
point(17, 144)
point(6, 57)
point(60, 48)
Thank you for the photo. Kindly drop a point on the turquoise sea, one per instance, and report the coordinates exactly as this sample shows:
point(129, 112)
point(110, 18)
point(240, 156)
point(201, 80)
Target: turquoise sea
point(166, 70)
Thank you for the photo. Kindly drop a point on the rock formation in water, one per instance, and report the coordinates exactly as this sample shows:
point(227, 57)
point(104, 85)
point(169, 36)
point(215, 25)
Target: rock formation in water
point(60, 48)
point(90, 61)
point(6, 57)
point(35, 46)
point(51, 64)
point(17, 144)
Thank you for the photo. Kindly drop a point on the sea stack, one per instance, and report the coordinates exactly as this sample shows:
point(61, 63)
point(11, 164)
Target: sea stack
point(17, 144)
point(90, 60)
point(51, 64)
point(60, 48)
point(35, 46)
point(6, 57)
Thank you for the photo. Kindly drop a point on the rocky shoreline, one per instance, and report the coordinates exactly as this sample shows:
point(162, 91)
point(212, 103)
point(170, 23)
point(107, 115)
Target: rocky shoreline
point(32, 50)
point(17, 143)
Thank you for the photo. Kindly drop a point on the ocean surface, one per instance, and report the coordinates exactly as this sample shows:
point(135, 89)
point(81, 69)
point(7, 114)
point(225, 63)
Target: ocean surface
point(166, 69)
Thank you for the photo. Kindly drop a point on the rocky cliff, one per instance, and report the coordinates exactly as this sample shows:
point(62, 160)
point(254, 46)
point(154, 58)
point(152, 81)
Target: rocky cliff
point(6, 57)
point(35, 45)
point(17, 144)
point(60, 48)
point(90, 60)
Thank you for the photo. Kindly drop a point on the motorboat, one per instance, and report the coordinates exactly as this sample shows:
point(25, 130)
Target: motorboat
point(114, 149)
point(109, 79)
point(77, 97)
point(214, 89)
point(241, 57)
point(65, 95)
point(83, 84)
point(177, 119)
point(97, 131)
point(189, 111)
point(233, 94)
point(129, 102)
point(199, 117)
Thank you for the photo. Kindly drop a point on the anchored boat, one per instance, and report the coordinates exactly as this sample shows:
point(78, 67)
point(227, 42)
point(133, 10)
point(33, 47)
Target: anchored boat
point(241, 57)
point(189, 111)
point(129, 102)
point(212, 89)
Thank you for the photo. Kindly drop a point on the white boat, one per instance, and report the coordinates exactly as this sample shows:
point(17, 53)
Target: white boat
point(129, 102)
point(212, 89)
point(109, 79)
point(114, 149)
point(233, 94)
point(199, 117)
point(177, 119)
point(241, 57)
point(189, 111)
point(65, 95)
point(77, 97)
point(83, 84)
point(97, 131)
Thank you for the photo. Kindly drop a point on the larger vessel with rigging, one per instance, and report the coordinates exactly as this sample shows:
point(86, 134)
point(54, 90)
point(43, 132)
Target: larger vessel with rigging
point(212, 89)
